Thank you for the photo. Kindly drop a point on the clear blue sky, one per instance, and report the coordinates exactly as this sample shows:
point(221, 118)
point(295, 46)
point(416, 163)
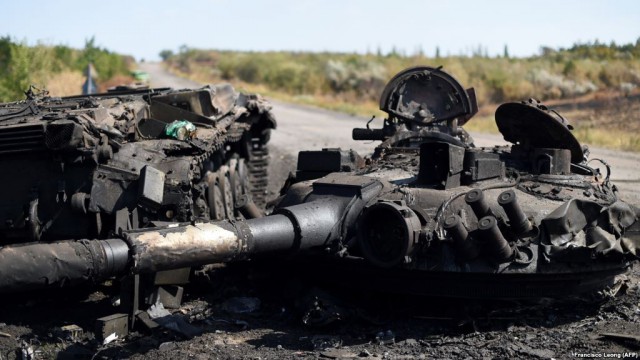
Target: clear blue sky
point(144, 28)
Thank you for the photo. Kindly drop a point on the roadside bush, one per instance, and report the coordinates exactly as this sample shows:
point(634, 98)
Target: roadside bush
point(557, 86)
point(22, 65)
point(363, 77)
point(556, 73)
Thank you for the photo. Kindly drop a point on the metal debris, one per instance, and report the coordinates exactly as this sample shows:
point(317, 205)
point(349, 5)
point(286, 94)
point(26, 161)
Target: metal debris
point(176, 323)
point(325, 342)
point(338, 354)
point(27, 352)
point(385, 337)
point(109, 339)
point(72, 332)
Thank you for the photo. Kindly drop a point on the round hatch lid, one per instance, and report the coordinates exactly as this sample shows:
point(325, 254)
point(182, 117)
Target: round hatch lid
point(425, 95)
point(533, 125)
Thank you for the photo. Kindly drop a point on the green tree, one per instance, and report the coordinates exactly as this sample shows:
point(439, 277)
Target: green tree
point(16, 77)
point(569, 69)
point(166, 54)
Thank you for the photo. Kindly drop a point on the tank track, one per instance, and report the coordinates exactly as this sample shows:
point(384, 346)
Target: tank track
point(258, 165)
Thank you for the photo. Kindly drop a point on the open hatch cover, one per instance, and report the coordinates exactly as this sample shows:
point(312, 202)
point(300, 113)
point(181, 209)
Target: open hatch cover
point(426, 95)
point(533, 125)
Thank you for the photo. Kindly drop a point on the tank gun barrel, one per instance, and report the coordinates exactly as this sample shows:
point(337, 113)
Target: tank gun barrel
point(65, 263)
point(368, 134)
point(313, 224)
point(294, 228)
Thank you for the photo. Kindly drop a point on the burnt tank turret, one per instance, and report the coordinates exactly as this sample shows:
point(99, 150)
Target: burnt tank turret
point(428, 213)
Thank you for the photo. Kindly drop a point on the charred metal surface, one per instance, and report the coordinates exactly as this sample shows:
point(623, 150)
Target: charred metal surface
point(91, 157)
point(34, 266)
point(316, 164)
point(463, 217)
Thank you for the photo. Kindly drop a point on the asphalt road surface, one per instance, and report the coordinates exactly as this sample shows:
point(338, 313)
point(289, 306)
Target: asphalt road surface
point(307, 128)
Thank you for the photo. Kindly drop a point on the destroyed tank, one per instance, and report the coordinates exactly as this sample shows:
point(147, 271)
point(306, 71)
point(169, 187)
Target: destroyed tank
point(93, 166)
point(427, 213)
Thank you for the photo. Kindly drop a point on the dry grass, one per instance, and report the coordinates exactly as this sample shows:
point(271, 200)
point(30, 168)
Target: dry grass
point(607, 138)
point(605, 119)
point(613, 122)
point(115, 81)
point(69, 83)
point(483, 124)
point(65, 83)
point(367, 108)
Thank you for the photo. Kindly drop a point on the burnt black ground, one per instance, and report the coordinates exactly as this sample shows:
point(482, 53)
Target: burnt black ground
point(372, 325)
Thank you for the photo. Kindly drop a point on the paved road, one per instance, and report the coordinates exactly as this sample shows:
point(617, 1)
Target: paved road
point(307, 128)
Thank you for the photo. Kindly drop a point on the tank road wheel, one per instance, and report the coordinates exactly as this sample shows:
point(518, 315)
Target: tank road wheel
point(243, 177)
point(224, 183)
point(236, 184)
point(214, 197)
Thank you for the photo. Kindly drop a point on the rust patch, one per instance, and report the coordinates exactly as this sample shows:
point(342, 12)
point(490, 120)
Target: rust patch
point(184, 246)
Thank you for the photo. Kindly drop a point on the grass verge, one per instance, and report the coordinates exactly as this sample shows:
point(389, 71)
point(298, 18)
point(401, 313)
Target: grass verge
point(587, 132)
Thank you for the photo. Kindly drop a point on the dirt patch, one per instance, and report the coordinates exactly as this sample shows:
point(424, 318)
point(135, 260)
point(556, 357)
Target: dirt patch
point(605, 109)
point(611, 109)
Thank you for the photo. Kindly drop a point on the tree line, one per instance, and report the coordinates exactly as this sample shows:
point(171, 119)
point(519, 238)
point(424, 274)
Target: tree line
point(554, 73)
point(22, 65)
